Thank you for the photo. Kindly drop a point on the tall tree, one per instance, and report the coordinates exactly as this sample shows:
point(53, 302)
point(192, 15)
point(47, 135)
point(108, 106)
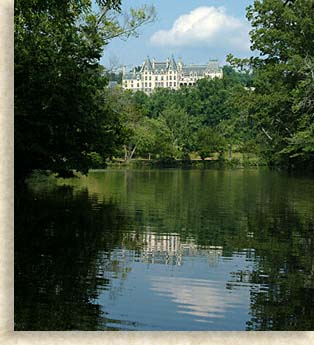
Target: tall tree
point(61, 116)
point(283, 34)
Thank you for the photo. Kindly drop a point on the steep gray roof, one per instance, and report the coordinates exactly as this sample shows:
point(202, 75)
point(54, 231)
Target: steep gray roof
point(159, 66)
point(173, 64)
point(132, 75)
point(198, 69)
point(213, 66)
point(147, 65)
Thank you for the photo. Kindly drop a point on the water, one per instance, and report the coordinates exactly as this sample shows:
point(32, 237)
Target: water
point(165, 250)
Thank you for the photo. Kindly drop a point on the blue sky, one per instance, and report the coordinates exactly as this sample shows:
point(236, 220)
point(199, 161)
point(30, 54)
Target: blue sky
point(196, 30)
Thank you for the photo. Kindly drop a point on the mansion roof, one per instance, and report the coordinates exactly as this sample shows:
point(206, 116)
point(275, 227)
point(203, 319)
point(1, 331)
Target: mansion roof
point(155, 67)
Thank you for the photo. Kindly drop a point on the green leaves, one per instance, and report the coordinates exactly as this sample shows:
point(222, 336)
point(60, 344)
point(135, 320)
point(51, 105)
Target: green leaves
point(62, 117)
point(210, 142)
point(189, 121)
point(280, 108)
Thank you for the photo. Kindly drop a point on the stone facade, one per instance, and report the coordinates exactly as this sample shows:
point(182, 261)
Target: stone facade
point(169, 74)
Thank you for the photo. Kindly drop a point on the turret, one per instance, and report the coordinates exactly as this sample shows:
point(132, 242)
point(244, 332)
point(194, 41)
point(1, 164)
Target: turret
point(180, 64)
point(167, 63)
point(172, 64)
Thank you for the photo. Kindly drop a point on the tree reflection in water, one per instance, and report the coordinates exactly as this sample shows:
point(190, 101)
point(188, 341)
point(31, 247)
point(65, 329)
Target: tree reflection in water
point(58, 237)
point(75, 247)
point(282, 280)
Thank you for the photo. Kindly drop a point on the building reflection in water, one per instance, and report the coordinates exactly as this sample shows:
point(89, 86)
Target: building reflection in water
point(169, 249)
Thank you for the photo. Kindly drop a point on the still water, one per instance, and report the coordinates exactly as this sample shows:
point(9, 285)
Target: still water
point(165, 250)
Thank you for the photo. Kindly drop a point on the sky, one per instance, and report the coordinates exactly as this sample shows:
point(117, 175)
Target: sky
point(194, 30)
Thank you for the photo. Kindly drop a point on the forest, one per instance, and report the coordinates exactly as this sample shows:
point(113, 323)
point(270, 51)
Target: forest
point(67, 118)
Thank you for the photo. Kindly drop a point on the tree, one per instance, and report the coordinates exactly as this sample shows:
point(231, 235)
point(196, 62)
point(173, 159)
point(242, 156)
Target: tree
point(209, 142)
point(283, 35)
point(60, 113)
point(154, 137)
point(182, 128)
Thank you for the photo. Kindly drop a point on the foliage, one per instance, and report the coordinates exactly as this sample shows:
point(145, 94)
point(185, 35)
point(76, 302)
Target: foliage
point(209, 142)
point(281, 106)
point(168, 123)
point(60, 112)
point(182, 128)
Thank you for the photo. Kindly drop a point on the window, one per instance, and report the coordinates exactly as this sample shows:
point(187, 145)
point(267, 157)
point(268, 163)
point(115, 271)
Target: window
point(145, 77)
point(150, 84)
point(170, 78)
point(138, 84)
point(170, 84)
point(174, 84)
point(174, 77)
point(145, 84)
point(162, 78)
point(150, 78)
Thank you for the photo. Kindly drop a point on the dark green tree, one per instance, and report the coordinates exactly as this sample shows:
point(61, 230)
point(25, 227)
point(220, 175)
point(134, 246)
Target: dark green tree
point(61, 116)
point(280, 106)
point(182, 127)
point(210, 142)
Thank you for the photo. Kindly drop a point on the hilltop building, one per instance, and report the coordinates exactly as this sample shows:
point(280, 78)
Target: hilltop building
point(168, 74)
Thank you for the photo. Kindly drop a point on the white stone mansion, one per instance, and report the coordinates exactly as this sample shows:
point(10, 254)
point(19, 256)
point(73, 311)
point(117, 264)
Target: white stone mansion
point(168, 74)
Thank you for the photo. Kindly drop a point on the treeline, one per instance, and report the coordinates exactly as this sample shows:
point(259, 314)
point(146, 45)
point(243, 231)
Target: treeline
point(192, 122)
point(263, 107)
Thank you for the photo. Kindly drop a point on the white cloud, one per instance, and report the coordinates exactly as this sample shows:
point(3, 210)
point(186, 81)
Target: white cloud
point(205, 25)
point(203, 299)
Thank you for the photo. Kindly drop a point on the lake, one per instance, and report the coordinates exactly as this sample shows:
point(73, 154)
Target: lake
point(165, 250)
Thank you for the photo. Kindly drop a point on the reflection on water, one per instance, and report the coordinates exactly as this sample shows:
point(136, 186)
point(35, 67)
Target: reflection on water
point(169, 249)
point(165, 250)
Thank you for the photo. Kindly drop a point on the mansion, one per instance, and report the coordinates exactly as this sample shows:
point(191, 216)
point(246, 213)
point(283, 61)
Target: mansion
point(168, 74)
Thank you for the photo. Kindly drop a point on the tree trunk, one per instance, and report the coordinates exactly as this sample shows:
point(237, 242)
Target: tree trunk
point(125, 153)
point(132, 152)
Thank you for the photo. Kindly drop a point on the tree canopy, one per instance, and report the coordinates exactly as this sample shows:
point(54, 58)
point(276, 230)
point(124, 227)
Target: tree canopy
point(61, 114)
point(281, 106)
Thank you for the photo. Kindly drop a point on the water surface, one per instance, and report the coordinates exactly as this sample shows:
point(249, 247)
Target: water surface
point(165, 250)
